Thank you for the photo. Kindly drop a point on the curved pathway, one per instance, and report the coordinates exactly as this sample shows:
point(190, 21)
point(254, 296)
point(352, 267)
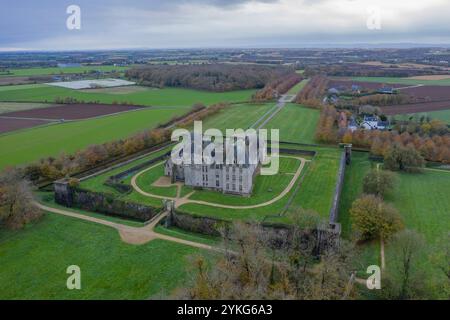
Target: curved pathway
point(185, 200)
point(128, 234)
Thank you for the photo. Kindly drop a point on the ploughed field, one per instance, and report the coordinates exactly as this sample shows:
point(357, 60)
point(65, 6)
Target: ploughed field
point(7, 125)
point(71, 111)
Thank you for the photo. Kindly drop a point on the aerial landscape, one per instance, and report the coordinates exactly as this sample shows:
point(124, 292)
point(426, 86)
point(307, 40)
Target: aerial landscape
point(181, 160)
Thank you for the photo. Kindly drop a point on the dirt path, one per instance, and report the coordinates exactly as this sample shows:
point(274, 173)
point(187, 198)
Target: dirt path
point(185, 200)
point(128, 234)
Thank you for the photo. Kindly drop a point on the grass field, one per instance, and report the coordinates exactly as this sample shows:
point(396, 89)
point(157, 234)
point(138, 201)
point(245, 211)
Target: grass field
point(423, 201)
point(443, 115)
point(406, 81)
point(56, 70)
point(145, 181)
point(147, 97)
point(240, 116)
point(299, 86)
point(33, 144)
point(296, 123)
point(34, 262)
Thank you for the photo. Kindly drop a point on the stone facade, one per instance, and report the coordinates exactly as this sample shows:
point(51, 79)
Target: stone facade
point(231, 178)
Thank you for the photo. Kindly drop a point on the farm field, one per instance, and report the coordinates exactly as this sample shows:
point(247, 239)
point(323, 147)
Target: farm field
point(443, 115)
point(6, 107)
point(416, 108)
point(139, 272)
point(147, 97)
point(71, 111)
point(405, 81)
point(296, 123)
point(33, 144)
point(58, 70)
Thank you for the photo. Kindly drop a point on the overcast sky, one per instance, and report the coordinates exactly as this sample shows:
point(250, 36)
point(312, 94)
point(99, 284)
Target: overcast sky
point(113, 24)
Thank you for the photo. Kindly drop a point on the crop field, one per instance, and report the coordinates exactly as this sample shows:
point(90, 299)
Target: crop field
point(69, 112)
point(139, 272)
point(405, 81)
point(147, 97)
point(6, 107)
point(33, 144)
point(296, 123)
point(56, 70)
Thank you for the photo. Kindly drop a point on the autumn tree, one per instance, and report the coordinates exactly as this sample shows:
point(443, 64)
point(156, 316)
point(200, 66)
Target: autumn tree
point(17, 206)
point(374, 219)
point(250, 267)
point(399, 158)
point(378, 182)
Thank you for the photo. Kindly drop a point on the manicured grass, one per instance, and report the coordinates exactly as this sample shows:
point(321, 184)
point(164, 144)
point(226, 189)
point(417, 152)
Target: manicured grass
point(147, 97)
point(424, 202)
point(319, 183)
point(34, 262)
point(299, 86)
point(145, 181)
point(56, 70)
point(406, 81)
point(30, 145)
point(240, 116)
point(296, 123)
point(352, 188)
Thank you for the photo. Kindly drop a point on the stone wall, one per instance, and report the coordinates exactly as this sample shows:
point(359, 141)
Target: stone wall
point(102, 203)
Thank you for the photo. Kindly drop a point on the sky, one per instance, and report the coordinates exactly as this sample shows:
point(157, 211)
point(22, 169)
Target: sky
point(155, 24)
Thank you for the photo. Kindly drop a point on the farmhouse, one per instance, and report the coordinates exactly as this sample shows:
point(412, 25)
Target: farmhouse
point(234, 178)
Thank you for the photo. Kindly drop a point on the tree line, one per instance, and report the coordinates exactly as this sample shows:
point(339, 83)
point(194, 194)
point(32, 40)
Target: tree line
point(210, 77)
point(277, 87)
point(311, 95)
point(429, 144)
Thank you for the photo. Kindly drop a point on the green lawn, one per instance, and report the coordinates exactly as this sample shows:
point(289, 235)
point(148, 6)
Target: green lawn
point(240, 116)
point(299, 86)
point(296, 123)
point(34, 262)
point(424, 202)
point(30, 145)
point(147, 96)
point(56, 70)
point(145, 181)
point(405, 81)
